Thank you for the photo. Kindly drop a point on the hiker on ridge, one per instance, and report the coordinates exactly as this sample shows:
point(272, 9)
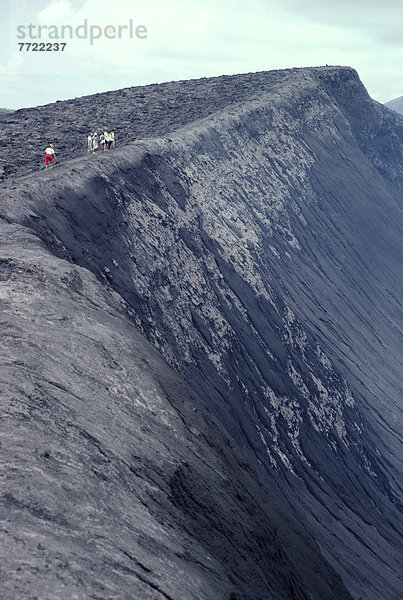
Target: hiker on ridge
point(49, 154)
point(102, 141)
point(89, 140)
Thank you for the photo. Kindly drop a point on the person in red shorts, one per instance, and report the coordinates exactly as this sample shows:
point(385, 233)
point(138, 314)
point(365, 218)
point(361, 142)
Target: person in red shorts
point(49, 154)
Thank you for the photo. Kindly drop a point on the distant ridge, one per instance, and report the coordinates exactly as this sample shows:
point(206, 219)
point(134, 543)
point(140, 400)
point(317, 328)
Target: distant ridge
point(396, 104)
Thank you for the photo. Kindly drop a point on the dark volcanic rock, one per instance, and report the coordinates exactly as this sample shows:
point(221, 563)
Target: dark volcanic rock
point(155, 110)
point(117, 481)
point(135, 113)
point(259, 249)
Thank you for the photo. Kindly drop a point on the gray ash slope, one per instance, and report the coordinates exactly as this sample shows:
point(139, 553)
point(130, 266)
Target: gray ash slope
point(117, 482)
point(259, 250)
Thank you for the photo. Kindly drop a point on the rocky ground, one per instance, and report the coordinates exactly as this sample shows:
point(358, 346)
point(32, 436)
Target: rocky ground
point(135, 113)
point(253, 235)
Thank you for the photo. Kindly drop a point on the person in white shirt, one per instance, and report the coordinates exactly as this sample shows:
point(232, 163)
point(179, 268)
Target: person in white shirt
point(89, 140)
point(49, 154)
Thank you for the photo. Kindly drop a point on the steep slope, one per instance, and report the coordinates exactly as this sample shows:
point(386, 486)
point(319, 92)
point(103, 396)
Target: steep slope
point(117, 481)
point(396, 105)
point(259, 249)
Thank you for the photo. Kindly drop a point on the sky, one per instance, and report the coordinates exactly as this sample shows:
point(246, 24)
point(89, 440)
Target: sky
point(183, 39)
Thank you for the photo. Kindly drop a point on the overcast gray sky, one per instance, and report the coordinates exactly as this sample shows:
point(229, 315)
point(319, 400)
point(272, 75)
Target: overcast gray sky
point(193, 38)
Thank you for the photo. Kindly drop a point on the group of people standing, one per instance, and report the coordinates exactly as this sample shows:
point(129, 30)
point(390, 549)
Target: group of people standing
point(104, 141)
